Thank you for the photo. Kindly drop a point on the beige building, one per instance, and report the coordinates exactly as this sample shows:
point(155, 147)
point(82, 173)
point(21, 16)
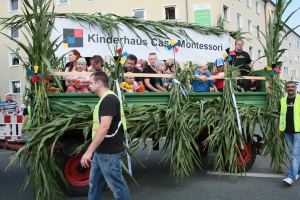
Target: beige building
point(248, 15)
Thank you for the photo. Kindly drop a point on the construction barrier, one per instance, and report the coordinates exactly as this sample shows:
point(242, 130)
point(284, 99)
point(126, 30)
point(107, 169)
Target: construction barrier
point(10, 127)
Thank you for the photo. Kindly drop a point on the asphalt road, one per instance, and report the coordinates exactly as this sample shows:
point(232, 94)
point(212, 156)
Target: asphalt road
point(155, 183)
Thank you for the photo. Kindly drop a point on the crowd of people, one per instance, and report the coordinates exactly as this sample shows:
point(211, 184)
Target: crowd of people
point(154, 65)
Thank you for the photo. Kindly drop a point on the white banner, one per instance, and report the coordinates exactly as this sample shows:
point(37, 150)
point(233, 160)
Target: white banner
point(90, 41)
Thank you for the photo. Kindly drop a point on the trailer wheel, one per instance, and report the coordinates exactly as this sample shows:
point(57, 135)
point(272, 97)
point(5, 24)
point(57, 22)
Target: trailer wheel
point(76, 176)
point(202, 148)
point(248, 155)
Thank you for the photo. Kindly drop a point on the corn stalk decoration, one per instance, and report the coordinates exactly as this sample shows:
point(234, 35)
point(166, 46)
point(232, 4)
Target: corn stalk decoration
point(181, 131)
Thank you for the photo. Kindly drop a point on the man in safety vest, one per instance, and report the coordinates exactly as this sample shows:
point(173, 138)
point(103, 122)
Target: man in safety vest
point(26, 116)
point(289, 124)
point(107, 144)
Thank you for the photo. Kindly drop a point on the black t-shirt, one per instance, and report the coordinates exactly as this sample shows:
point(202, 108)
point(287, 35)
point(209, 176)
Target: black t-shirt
point(290, 128)
point(135, 70)
point(149, 70)
point(110, 106)
point(25, 112)
point(239, 86)
point(241, 60)
point(252, 87)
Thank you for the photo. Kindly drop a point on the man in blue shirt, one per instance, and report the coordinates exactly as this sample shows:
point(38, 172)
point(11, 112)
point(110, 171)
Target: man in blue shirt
point(201, 83)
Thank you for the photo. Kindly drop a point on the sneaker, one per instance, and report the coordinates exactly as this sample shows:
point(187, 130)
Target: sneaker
point(289, 181)
point(297, 177)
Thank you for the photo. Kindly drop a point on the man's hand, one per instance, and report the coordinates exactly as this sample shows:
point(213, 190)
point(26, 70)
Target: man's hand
point(5, 114)
point(86, 158)
point(278, 134)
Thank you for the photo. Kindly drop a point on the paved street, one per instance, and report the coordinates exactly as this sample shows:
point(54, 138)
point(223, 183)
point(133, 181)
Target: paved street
point(155, 182)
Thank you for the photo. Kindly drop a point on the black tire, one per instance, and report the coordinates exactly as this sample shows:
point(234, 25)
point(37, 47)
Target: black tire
point(248, 159)
point(202, 148)
point(67, 163)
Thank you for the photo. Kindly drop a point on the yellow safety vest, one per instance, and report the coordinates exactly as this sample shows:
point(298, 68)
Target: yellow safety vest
point(283, 110)
point(96, 122)
point(27, 126)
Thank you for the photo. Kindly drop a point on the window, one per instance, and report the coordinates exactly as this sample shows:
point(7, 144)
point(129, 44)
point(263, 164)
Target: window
point(297, 73)
point(290, 45)
point(62, 2)
point(286, 53)
point(239, 20)
point(139, 13)
point(14, 32)
point(298, 59)
point(295, 41)
point(298, 44)
point(295, 57)
point(257, 7)
point(248, 3)
point(251, 52)
point(258, 31)
point(170, 12)
point(13, 60)
point(259, 55)
point(15, 87)
point(13, 5)
point(286, 71)
point(226, 13)
point(249, 26)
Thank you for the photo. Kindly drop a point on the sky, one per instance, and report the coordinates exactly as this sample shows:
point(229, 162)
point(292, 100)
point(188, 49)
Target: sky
point(294, 20)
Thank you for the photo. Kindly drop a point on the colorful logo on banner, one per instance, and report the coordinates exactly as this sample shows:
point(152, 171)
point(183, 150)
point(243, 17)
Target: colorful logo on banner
point(72, 38)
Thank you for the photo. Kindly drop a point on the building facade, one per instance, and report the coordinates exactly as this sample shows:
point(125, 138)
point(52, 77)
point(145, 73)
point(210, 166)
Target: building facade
point(248, 15)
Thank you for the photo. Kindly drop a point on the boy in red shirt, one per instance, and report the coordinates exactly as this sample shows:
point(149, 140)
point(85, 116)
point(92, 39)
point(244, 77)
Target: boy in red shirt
point(219, 63)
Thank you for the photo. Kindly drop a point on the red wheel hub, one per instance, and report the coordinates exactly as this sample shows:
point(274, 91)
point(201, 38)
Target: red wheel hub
point(245, 154)
point(79, 178)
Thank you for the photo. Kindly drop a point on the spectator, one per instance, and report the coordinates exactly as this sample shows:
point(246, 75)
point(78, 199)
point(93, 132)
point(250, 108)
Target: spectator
point(202, 85)
point(26, 116)
point(130, 67)
point(239, 86)
point(9, 106)
point(96, 64)
point(150, 69)
point(129, 85)
point(252, 86)
point(219, 63)
point(22, 106)
point(80, 82)
point(241, 59)
point(169, 64)
point(160, 66)
point(144, 64)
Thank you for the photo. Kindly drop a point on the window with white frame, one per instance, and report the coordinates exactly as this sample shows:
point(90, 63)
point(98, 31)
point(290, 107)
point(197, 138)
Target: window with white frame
point(13, 60)
point(62, 2)
point(239, 20)
point(290, 45)
point(251, 52)
point(295, 41)
point(286, 53)
point(257, 7)
point(258, 31)
point(286, 71)
point(259, 55)
point(297, 73)
point(249, 26)
point(226, 13)
point(298, 43)
point(295, 57)
point(13, 5)
point(15, 86)
point(139, 13)
point(170, 12)
point(14, 33)
point(248, 3)
point(298, 59)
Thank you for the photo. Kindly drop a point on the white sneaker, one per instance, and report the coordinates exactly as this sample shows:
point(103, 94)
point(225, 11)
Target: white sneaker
point(289, 181)
point(297, 177)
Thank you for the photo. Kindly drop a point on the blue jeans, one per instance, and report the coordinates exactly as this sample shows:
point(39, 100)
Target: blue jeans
point(293, 142)
point(106, 168)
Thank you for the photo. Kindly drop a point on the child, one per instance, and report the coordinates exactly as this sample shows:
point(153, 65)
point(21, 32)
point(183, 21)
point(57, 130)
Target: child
point(129, 85)
point(219, 63)
point(160, 66)
point(202, 74)
point(79, 83)
point(252, 86)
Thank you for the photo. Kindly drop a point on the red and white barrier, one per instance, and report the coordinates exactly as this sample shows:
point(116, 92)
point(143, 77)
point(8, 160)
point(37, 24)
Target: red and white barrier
point(10, 127)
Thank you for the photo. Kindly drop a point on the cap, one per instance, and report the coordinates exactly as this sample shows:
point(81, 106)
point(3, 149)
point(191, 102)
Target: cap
point(8, 94)
point(202, 63)
point(81, 60)
point(158, 63)
point(219, 62)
